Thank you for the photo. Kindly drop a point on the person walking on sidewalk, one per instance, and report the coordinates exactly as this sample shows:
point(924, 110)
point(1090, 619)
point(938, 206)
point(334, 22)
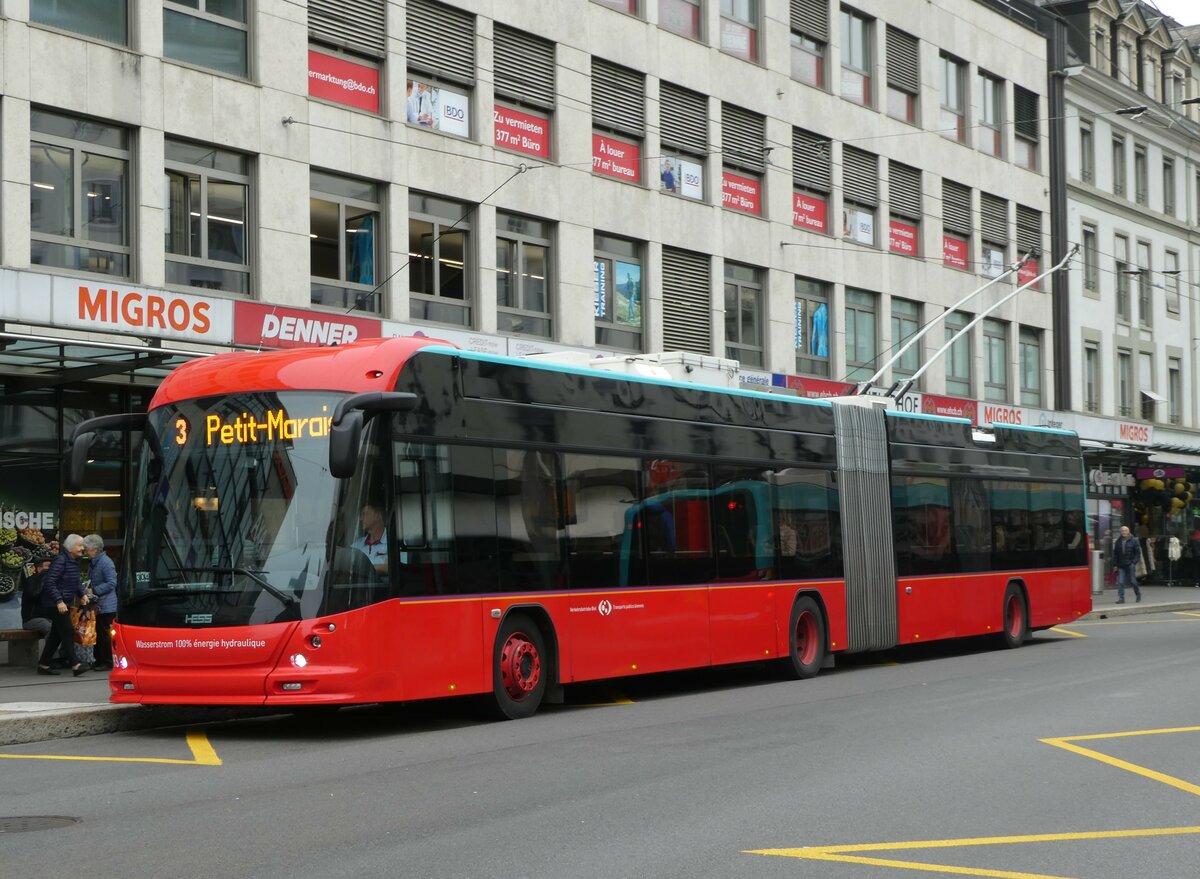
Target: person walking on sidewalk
point(1126, 552)
point(102, 584)
point(60, 589)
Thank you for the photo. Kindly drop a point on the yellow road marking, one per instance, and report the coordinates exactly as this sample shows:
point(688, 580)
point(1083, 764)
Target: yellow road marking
point(1133, 622)
point(1063, 631)
point(841, 853)
point(1067, 743)
point(202, 754)
point(1186, 613)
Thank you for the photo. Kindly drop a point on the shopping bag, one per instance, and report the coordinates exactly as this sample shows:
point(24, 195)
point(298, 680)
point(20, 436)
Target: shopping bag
point(83, 621)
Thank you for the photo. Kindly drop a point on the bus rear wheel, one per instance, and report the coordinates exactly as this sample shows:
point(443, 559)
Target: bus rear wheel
point(806, 639)
point(519, 668)
point(1016, 617)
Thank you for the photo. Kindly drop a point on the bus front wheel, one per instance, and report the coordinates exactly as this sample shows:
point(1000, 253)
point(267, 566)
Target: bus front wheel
point(806, 638)
point(1016, 617)
point(519, 668)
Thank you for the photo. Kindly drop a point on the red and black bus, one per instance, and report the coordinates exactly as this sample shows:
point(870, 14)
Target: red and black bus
point(547, 524)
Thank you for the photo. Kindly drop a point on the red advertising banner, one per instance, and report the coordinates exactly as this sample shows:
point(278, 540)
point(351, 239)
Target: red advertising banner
point(810, 212)
point(816, 388)
point(343, 82)
point(1028, 272)
point(741, 193)
point(954, 252)
point(953, 407)
point(902, 238)
point(277, 327)
point(616, 158)
point(523, 132)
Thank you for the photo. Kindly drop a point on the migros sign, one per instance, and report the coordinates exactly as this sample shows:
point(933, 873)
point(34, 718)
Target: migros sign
point(144, 311)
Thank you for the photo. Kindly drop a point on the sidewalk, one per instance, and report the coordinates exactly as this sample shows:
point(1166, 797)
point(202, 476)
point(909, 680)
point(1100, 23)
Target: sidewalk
point(34, 708)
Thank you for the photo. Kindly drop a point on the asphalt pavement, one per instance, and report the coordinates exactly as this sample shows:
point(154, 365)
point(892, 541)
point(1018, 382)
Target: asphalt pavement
point(36, 707)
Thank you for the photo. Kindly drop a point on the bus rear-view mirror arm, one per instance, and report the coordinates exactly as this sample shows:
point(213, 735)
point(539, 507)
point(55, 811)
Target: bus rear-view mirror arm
point(84, 435)
point(345, 428)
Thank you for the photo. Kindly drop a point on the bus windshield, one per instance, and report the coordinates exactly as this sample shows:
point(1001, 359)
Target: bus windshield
point(234, 501)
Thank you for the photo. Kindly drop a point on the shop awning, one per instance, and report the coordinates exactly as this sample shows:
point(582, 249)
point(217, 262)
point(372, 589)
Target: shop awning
point(1176, 455)
point(29, 362)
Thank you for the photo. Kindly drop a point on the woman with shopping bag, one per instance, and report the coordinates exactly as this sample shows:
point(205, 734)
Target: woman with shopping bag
point(61, 588)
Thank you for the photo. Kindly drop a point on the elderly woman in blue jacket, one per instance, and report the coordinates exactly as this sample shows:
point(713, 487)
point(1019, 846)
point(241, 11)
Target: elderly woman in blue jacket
point(60, 588)
point(102, 585)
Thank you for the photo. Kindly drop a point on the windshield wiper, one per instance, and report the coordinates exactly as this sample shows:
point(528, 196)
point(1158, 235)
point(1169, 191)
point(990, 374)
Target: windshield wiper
point(288, 600)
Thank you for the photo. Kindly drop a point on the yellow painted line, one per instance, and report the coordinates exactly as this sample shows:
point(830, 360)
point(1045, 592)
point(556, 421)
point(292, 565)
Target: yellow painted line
point(842, 853)
point(600, 704)
point(1132, 622)
point(1067, 743)
point(1063, 631)
point(1186, 613)
point(202, 754)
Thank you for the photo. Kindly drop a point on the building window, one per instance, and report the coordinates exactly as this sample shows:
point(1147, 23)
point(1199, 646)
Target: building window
point(956, 225)
point(207, 218)
point(344, 235)
point(904, 199)
point(739, 28)
point(687, 301)
point(1029, 242)
point(1118, 165)
point(1122, 270)
point(743, 314)
point(810, 38)
point(356, 26)
point(903, 75)
point(1174, 389)
point(1140, 174)
point(1031, 367)
point(525, 92)
point(101, 19)
point(684, 132)
point(1091, 267)
point(1124, 384)
point(958, 358)
point(1150, 399)
point(1168, 172)
point(1091, 377)
point(1026, 128)
point(993, 228)
point(523, 262)
point(619, 293)
point(856, 58)
point(618, 121)
point(1087, 152)
point(441, 67)
point(953, 121)
point(860, 188)
point(629, 7)
point(1170, 274)
point(813, 330)
point(79, 194)
point(906, 321)
point(991, 114)
point(744, 155)
point(812, 176)
point(1100, 52)
point(995, 360)
point(207, 33)
point(861, 334)
point(682, 17)
point(439, 250)
point(1142, 276)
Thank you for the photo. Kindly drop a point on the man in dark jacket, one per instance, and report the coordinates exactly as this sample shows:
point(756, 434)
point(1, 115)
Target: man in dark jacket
point(1126, 552)
point(60, 589)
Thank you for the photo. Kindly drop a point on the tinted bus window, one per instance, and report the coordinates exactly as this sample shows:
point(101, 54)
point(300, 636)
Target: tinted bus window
point(921, 508)
point(1074, 541)
point(472, 489)
point(601, 494)
point(745, 534)
point(1011, 543)
point(807, 524)
point(1046, 514)
point(675, 521)
point(528, 520)
point(972, 521)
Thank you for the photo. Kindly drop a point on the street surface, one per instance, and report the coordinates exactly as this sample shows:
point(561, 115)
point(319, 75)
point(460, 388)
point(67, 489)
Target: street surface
point(718, 774)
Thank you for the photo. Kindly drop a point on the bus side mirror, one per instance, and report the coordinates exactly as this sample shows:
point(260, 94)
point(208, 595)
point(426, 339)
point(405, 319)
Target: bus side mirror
point(81, 445)
point(345, 428)
point(344, 437)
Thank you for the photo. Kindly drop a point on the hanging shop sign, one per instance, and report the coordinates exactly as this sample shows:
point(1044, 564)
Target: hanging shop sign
point(810, 212)
point(273, 326)
point(341, 81)
point(741, 193)
point(616, 158)
point(524, 132)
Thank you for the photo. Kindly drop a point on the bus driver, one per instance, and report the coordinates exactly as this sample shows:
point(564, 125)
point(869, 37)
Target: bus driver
point(373, 541)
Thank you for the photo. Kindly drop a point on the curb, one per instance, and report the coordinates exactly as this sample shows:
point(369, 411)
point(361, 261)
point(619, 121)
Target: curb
point(1132, 609)
point(94, 720)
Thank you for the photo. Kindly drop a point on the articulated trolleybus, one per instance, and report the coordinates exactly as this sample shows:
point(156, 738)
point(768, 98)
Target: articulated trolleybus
point(398, 519)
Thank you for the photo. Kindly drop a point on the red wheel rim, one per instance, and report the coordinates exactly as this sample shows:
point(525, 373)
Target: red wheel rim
point(520, 666)
point(806, 637)
point(1016, 617)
